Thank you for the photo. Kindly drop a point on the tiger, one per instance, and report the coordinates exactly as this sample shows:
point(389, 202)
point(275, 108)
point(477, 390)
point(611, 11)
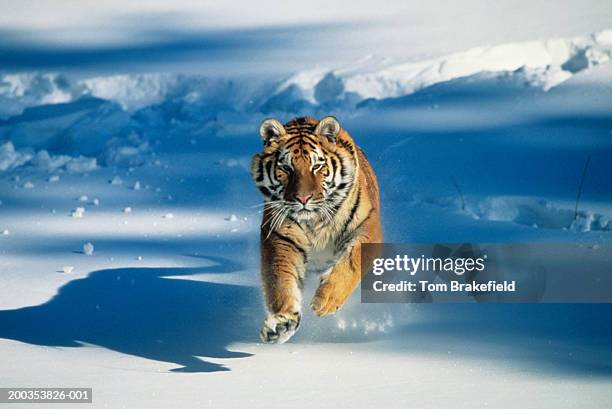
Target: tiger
point(321, 202)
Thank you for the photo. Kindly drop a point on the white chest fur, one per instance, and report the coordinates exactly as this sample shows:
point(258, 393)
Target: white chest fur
point(322, 259)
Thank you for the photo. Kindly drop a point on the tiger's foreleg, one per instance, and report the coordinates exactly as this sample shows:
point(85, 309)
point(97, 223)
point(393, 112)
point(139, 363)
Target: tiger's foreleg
point(283, 267)
point(337, 285)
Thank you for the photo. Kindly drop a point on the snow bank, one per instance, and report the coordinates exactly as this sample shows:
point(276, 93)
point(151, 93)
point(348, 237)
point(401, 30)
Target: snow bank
point(527, 211)
point(22, 90)
point(539, 213)
point(11, 158)
point(52, 121)
point(132, 92)
point(547, 63)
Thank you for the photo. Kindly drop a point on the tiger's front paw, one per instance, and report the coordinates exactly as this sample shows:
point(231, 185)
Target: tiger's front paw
point(328, 299)
point(278, 328)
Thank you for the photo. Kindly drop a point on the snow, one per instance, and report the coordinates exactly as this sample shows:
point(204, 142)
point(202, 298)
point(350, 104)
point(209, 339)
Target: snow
point(78, 213)
point(131, 91)
point(9, 158)
point(166, 311)
point(21, 90)
point(92, 124)
point(88, 249)
point(547, 63)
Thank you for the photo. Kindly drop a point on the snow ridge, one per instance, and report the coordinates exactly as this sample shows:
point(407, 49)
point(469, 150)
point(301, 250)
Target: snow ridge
point(547, 63)
point(543, 63)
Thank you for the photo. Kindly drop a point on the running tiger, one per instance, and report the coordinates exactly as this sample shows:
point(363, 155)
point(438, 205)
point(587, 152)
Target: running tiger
point(321, 201)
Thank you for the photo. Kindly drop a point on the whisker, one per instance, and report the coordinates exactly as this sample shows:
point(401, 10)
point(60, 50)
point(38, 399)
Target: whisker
point(277, 216)
point(273, 213)
point(270, 202)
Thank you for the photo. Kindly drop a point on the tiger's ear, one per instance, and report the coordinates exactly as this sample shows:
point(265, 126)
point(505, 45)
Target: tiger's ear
point(328, 127)
point(271, 130)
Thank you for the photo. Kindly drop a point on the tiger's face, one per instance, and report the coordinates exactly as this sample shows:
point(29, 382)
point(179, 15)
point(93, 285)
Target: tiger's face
point(303, 172)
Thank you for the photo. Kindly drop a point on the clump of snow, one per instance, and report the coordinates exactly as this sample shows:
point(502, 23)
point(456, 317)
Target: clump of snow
point(68, 269)
point(53, 178)
point(168, 216)
point(127, 210)
point(232, 218)
point(132, 91)
point(125, 152)
point(116, 181)
point(5, 232)
point(22, 90)
point(43, 160)
point(78, 213)
point(81, 164)
point(136, 186)
point(589, 221)
point(10, 158)
point(88, 249)
point(83, 198)
point(28, 185)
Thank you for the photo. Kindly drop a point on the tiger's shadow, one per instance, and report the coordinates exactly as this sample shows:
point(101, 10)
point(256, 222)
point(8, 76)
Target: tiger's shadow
point(138, 311)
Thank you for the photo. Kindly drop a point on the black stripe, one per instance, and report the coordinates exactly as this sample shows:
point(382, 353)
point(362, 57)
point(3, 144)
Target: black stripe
point(311, 139)
point(351, 261)
point(353, 210)
point(313, 146)
point(363, 221)
point(264, 190)
point(260, 176)
point(343, 172)
point(293, 244)
point(267, 155)
point(300, 140)
point(334, 168)
point(269, 170)
point(346, 145)
point(345, 237)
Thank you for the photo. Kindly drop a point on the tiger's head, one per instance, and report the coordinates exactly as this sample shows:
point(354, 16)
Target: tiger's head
point(306, 169)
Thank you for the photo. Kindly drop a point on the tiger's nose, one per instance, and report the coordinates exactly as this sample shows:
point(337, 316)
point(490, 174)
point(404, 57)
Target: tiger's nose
point(303, 198)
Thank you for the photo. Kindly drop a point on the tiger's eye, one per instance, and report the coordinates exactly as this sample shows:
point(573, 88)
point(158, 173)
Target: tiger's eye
point(316, 167)
point(286, 168)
